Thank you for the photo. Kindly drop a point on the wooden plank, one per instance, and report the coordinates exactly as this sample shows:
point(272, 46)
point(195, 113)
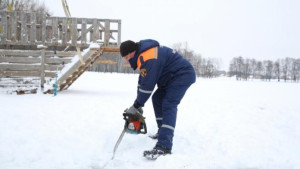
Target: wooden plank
point(69, 32)
point(3, 26)
point(24, 36)
point(44, 29)
point(57, 61)
point(33, 60)
point(19, 52)
point(42, 71)
point(25, 74)
point(54, 38)
point(74, 31)
point(64, 31)
point(20, 60)
point(39, 22)
point(36, 53)
point(59, 27)
point(83, 31)
point(101, 26)
point(110, 50)
point(89, 29)
point(26, 67)
point(13, 23)
point(32, 27)
point(96, 33)
point(106, 33)
point(8, 27)
point(91, 20)
point(5, 67)
point(119, 33)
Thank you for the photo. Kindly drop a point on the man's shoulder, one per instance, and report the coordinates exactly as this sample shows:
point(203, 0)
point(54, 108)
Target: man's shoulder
point(149, 54)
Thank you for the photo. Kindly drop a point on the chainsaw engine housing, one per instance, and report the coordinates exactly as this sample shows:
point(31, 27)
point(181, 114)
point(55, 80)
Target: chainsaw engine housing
point(135, 124)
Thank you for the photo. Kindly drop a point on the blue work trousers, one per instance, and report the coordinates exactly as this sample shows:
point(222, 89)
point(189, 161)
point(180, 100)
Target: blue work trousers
point(165, 101)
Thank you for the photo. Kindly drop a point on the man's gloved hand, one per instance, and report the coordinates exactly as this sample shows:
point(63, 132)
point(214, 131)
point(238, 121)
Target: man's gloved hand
point(132, 110)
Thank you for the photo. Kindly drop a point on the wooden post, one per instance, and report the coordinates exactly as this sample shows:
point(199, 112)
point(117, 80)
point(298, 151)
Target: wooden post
point(74, 31)
point(44, 29)
point(24, 36)
point(3, 26)
point(107, 32)
point(95, 31)
point(119, 32)
point(33, 27)
point(65, 32)
point(83, 32)
point(14, 25)
point(54, 38)
point(42, 64)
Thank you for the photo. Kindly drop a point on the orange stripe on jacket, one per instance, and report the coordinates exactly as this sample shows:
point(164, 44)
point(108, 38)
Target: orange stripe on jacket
point(151, 53)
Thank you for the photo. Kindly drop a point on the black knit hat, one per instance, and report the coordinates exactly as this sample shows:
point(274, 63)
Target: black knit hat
point(127, 47)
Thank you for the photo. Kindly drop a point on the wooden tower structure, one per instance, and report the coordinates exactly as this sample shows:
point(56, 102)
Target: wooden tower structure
point(37, 50)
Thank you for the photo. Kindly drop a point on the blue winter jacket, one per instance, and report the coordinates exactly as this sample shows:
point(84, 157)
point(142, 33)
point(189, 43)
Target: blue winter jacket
point(158, 65)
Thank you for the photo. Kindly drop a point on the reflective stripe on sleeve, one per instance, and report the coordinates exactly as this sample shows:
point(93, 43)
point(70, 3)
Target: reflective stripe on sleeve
point(145, 91)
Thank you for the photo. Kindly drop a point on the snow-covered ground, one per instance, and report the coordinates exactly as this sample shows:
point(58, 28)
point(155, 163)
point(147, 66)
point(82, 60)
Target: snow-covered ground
point(222, 124)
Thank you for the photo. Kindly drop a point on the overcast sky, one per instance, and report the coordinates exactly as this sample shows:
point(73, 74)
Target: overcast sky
point(261, 29)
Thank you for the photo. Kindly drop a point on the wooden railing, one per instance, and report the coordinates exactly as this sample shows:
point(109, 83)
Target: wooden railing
point(20, 28)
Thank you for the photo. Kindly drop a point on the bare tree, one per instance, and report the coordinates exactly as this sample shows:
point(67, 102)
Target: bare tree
point(203, 67)
point(247, 69)
point(268, 68)
point(253, 65)
point(295, 69)
point(25, 5)
point(277, 70)
point(259, 69)
point(286, 69)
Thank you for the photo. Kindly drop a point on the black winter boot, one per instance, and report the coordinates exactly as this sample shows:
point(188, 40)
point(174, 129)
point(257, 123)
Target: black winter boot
point(156, 152)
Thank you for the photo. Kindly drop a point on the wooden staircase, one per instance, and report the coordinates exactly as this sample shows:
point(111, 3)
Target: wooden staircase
point(76, 69)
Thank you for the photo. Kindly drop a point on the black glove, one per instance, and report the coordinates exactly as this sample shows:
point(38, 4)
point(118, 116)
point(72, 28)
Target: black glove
point(132, 110)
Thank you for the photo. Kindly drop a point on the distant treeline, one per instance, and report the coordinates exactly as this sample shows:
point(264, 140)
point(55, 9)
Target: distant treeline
point(204, 67)
point(287, 69)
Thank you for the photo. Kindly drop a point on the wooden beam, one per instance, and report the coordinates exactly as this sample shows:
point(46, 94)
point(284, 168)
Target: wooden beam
point(25, 74)
point(110, 50)
point(36, 53)
point(26, 67)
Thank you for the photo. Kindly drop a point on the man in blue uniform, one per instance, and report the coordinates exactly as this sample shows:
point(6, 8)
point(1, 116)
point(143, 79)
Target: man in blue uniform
point(173, 75)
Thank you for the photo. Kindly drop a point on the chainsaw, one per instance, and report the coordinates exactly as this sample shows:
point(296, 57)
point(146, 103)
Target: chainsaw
point(134, 124)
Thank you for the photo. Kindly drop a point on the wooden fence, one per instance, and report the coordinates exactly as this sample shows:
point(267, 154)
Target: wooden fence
point(32, 62)
point(20, 28)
